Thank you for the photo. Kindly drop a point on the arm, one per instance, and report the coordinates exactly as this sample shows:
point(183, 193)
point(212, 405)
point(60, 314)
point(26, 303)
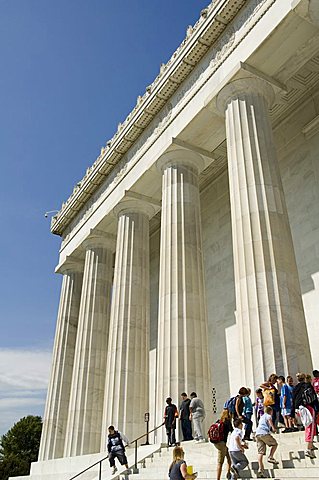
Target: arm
point(239, 444)
point(237, 407)
point(270, 423)
point(125, 440)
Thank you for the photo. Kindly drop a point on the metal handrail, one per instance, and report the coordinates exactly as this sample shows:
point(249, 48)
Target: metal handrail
point(105, 458)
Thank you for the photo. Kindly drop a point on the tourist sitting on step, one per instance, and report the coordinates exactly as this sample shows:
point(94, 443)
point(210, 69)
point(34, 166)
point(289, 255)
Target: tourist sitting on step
point(178, 467)
point(116, 448)
point(304, 395)
point(264, 438)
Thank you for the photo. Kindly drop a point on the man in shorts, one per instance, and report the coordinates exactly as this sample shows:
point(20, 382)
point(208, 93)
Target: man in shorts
point(264, 438)
point(116, 448)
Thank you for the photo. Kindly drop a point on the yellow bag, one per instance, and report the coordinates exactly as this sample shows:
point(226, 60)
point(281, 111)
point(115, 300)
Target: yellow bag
point(269, 396)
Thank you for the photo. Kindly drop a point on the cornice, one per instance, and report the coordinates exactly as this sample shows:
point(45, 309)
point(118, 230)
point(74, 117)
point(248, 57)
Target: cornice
point(199, 39)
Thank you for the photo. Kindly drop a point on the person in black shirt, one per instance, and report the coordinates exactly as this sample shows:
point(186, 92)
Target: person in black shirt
point(184, 412)
point(116, 448)
point(170, 415)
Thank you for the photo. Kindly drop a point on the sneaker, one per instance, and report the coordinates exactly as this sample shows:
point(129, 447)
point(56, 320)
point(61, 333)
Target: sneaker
point(261, 473)
point(234, 471)
point(114, 470)
point(228, 475)
point(273, 460)
point(201, 440)
point(310, 454)
point(314, 448)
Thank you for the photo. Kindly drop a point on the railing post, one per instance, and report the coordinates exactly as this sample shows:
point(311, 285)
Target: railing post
point(146, 420)
point(100, 471)
point(135, 469)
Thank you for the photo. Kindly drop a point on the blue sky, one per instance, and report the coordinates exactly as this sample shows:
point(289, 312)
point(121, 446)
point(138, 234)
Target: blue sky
point(70, 71)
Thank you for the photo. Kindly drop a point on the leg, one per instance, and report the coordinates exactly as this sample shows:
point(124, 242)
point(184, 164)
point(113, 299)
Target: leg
point(311, 429)
point(188, 430)
point(249, 426)
point(261, 462)
point(197, 428)
point(173, 438)
point(228, 463)
point(272, 451)
point(112, 459)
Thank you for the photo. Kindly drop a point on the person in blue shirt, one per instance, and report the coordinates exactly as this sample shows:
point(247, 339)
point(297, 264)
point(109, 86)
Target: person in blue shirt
point(248, 409)
point(286, 404)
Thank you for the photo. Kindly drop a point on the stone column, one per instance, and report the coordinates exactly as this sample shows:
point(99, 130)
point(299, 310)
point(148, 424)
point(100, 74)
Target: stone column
point(182, 353)
point(57, 404)
point(270, 317)
point(126, 393)
point(87, 392)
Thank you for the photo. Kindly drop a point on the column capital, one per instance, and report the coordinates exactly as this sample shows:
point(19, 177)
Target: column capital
point(71, 265)
point(98, 238)
point(133, 203)
point(182, 157)
point(243, 88)
point(307, 9)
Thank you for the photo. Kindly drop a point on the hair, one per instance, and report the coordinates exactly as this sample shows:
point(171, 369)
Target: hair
point(178, 454)
point(237, 422)
point(193, 394)
point(243, 391)
point(308, 378)
point(315, 373)
point(301, 377)
point(282, 378)
point(268, 409)
point(225, 415)
point(259, 390)
point(273, 378)
point(111, 427)
point(289, 377)
point(184, 394)
point(168, 400)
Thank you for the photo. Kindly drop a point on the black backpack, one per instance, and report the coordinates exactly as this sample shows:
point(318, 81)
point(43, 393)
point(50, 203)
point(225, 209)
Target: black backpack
point(308, 395)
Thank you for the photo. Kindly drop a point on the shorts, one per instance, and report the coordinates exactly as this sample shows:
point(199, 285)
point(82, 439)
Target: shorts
point(263, 441)
point(286, 412)
point(222, 452)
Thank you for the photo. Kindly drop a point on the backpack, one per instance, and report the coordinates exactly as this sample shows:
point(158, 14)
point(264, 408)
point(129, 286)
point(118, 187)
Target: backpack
point(269, 396)
point(216, 432)
point(308, 396)
point(230, 405)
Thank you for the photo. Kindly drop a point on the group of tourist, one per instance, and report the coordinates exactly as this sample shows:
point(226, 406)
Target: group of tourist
point(277, 400)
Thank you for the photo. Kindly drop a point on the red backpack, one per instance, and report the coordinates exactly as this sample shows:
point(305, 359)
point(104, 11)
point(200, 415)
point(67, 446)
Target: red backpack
point(216, 432)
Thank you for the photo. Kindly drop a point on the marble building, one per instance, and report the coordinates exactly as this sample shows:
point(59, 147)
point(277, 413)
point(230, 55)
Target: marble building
point(190, 249)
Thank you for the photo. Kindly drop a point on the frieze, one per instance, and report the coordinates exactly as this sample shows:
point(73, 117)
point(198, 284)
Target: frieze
point(231, 37)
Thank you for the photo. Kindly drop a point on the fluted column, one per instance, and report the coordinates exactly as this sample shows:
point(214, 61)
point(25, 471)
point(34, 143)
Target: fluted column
point(182, 355)
point(126, 393)
point(88, 381)
point(272, 330)
point(57, 404)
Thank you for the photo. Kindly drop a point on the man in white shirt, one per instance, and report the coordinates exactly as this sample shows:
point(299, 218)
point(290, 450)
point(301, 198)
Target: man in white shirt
point(236, 447)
